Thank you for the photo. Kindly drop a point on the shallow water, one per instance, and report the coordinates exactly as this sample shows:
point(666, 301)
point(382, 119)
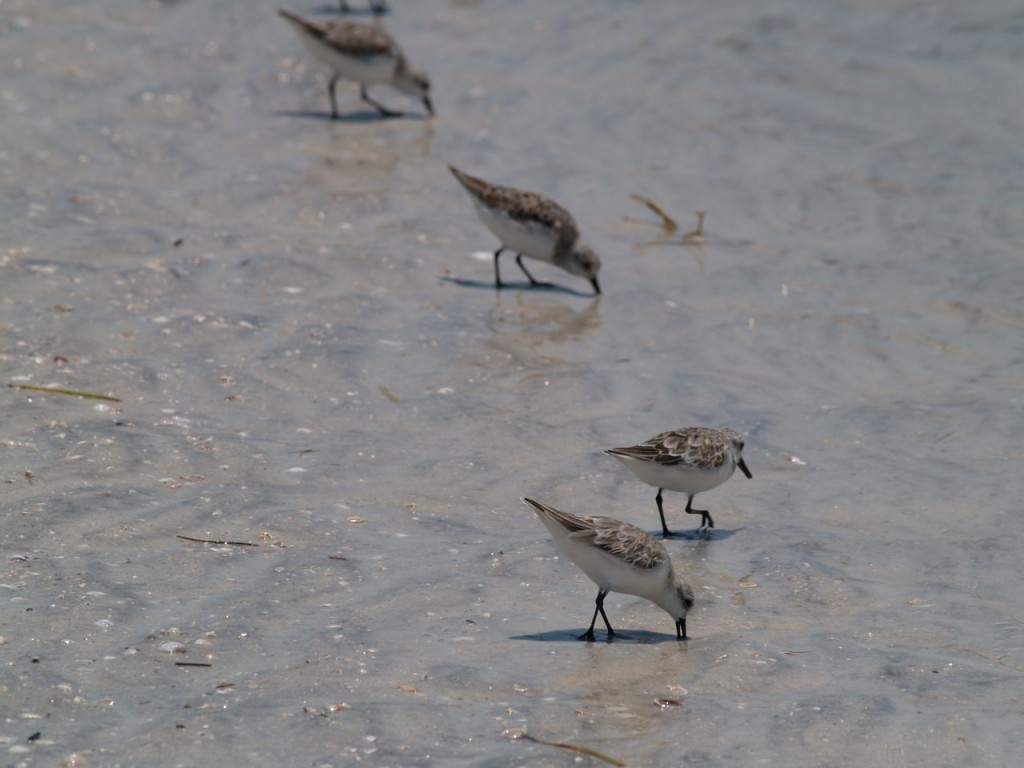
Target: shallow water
point(320, 368)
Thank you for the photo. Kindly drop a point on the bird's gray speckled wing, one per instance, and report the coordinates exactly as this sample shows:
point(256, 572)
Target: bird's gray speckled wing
point(521, 205)
point(623, 541)
point(359, 39)
point(695, 446)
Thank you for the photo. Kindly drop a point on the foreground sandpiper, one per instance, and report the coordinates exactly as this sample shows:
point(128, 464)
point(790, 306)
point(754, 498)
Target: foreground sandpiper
point(531, 225)
point(363, 53)
point(618, 557)
point(690, 460)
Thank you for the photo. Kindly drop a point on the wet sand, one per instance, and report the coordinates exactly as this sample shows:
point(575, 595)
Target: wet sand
point(309, 360)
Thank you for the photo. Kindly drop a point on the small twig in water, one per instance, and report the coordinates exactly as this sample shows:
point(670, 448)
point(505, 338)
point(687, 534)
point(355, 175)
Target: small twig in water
point(696, 236)
point(63, 391)
point(213, 541)
point(517, 734)
point(667, 222)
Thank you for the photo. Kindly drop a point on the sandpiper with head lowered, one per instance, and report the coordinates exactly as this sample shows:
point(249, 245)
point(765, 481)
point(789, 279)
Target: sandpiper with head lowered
point(531, 225)
point(689, 460)
point(364, 53)
point(618, 557)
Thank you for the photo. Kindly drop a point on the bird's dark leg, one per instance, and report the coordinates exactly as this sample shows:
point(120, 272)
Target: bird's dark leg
point(374, 103)
point(334, 98)
point(497, 273)
point(589, 634)
point(681, 629)
point(705, 516)
point(664, 528)
point(519, 261)
point(599, 608)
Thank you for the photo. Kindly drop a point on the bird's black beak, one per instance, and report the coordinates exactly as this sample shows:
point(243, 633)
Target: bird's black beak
point(597, 288)
point(681, 629)
point(743, 467)
point(429, 105)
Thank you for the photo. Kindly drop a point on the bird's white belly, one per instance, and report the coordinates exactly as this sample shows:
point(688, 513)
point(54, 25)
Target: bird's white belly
point(611, 573)
point(534, 240)
point(678, 477)
point(643, 583)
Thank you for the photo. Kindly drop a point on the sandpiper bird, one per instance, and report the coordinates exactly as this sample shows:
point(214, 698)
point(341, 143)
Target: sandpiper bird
point(531, 225)
point(618, 557)
point(377, 6)
point(364, 53)
point(689, 460)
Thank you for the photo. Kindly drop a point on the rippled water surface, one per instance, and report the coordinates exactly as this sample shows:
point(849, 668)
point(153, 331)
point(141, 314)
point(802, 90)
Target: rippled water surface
point(310, 362)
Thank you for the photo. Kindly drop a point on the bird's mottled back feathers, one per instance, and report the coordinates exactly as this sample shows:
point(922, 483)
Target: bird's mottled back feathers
point(700, 447)
point(521, 205)
point(633, 545)
point(349, 37)
point(359, 39)
point(622, 540)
